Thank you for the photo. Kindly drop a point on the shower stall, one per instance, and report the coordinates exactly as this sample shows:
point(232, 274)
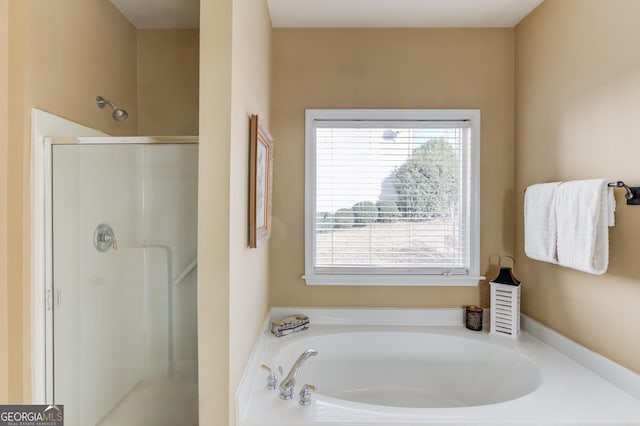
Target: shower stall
point(121, 293)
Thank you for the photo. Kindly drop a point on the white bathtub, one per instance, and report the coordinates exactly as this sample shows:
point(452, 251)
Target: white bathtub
point(393, 367)
point(411, 369)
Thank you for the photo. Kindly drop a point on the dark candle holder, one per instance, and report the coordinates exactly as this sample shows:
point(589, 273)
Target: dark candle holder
point(473, 317)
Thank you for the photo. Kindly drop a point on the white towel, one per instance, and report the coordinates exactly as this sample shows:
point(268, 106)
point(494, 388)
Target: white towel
point(583, 212)
point(611, 204)
point(540, 230)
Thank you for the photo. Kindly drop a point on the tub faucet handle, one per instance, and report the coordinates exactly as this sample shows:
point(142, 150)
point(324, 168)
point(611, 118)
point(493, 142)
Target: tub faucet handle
point(305, 394)
point(272, 380)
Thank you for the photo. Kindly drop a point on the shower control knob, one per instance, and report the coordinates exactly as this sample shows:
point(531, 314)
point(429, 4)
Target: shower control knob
point(104, 238)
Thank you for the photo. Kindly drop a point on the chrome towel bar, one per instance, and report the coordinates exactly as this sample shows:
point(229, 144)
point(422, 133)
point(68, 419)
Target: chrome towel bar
point(632, 194)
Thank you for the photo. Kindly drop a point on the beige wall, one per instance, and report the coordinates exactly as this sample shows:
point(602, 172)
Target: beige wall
point(18, 346)
point(4, 89)
point(62, 55)
point(76, 50)
point(213, 211)
point(578, 100)
point(168, 82)
point(389, 68)
point(232, 290)
point(249, 268)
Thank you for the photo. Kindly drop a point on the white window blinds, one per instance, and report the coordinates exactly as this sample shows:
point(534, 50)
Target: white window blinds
point(389, 197)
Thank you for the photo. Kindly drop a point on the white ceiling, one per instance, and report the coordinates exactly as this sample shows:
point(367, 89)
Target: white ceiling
point(161, 14)
point(399, 13)
point(145, 14)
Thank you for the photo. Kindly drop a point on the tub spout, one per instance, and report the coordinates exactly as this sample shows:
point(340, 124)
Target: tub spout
point(289, 382)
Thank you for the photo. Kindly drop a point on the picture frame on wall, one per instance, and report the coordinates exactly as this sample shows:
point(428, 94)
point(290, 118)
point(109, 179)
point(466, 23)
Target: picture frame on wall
point(260, 182)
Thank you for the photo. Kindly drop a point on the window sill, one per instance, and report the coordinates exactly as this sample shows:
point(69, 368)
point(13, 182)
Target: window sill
point(394, 280)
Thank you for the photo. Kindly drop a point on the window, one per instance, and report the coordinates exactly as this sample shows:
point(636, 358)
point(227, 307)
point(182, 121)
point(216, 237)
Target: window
point(392, 197)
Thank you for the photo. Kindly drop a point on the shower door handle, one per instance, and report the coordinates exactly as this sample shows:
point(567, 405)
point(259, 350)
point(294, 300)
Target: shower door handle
point(58, 299)
point(48, 300)
point(53, 304)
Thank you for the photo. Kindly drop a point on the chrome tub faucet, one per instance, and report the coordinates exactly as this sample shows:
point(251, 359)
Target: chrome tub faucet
point(289, 382)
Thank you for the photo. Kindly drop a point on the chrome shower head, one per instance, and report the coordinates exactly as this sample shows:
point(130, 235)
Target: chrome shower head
point(119, 114)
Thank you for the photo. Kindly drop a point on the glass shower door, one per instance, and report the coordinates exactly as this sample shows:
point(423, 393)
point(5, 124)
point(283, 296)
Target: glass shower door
point(124, 285)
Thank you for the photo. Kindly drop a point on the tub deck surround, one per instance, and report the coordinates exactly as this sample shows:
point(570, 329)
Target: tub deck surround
point(548, 386)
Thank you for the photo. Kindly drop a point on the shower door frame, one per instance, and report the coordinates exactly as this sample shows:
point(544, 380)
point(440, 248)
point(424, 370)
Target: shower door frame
point(42, 296)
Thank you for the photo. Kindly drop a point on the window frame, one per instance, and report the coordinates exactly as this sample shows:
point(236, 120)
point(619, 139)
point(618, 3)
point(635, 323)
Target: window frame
point(472, 276)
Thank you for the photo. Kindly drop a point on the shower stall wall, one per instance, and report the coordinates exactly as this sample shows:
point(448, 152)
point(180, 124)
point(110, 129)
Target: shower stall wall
point(122, 303)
